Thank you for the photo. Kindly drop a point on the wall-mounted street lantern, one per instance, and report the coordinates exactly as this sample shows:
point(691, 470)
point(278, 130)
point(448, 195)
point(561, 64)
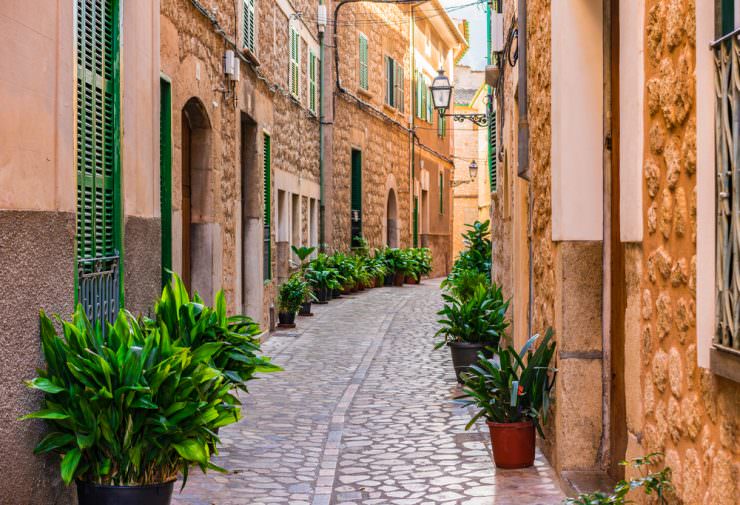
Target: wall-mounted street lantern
point(441, 94)
point(473, 170)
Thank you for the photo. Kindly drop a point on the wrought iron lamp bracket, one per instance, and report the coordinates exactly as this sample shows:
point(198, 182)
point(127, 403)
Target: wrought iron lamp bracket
point(478, 119)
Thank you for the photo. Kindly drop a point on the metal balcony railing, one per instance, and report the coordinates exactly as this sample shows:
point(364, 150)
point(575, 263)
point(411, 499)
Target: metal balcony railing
point(727, 138)
point(98, 285)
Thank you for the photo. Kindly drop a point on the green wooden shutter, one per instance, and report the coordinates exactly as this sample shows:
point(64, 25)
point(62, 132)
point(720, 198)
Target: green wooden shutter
point(356, 195)
point(248, 28)
point(492, 154)
point(267, 217)
point(165, 175)
point(363, 47)
point(419, 88)
point(295, 63)
point(388, 81)
point(727, 16)
point(312, 81)
point(398, 82)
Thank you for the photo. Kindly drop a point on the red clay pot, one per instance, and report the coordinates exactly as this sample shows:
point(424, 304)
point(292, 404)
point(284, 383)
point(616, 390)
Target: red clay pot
point(513, 444)
point(398, 279)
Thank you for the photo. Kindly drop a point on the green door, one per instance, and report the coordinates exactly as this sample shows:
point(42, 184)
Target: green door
point(356, 197)
point(165, 175)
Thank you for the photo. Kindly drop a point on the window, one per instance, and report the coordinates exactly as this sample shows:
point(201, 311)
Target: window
point(364, 80)
point(313, 79)
point(727, 16)
point(248, 28)
point(394, 84)
point(356, 196)
point(267, 217)
point(294, 77)
point(441, 192)
point(98, 157)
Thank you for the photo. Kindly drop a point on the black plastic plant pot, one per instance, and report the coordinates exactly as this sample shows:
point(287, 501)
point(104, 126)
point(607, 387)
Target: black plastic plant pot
point(99, 494)
point(286, 318)
point(388, 280)
point(465, 354)
point(336, 293)
point(305, 309)
point(322, 295)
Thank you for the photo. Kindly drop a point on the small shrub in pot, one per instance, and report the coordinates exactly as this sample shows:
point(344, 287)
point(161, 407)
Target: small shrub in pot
point(291, 295)
point(512, 391)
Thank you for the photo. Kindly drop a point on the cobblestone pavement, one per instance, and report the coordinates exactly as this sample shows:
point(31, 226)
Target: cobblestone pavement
point(362, 414)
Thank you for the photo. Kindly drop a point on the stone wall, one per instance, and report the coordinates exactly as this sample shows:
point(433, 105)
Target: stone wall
point(689, 414)
point(192, 57)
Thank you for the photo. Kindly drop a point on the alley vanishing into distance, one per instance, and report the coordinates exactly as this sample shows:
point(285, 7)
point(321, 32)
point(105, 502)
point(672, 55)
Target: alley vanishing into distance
point(363, 414)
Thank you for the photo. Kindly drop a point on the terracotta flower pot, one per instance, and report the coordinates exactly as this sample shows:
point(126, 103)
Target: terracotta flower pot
point(398, 279)
point(513, 444)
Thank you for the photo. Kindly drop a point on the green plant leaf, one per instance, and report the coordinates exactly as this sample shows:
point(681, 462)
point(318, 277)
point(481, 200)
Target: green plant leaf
point(69, 465)
point(44, 385)
point(192, 450)
point(46, 414)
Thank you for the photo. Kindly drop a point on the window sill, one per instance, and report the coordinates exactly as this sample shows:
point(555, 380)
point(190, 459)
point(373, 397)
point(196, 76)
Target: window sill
point(365, 93)
point(725, 364)
point(249, 55)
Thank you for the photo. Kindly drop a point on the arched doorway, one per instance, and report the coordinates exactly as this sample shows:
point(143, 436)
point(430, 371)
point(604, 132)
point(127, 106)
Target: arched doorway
point(197, 244)
point(391, 238)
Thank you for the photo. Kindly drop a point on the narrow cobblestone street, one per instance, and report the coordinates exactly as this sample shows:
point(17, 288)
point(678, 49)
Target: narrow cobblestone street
point(362, 414)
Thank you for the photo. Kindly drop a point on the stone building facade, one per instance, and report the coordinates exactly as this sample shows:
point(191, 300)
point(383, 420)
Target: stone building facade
point(378, 121)
point(606, 232)
point(43, 178)
point(262, 123)
point(471, 196)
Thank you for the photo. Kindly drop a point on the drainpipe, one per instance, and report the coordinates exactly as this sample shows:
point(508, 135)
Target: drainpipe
point(412, 52)
point(322, 211)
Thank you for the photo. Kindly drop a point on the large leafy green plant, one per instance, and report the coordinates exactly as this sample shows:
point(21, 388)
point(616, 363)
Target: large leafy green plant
point(292, 293)
point(128, 406)
point(395, 261)
point(463, 285)
point(513, 386)
point(480, 318)
point(193, 324)
point(320, 274)
point(477, 254)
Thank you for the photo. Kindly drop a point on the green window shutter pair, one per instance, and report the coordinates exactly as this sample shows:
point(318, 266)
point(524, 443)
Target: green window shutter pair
point(364, 77)
point(267, 221)
point(294, 78)
point(98, 194)
point(248, 28)
point(356, 195)
point(441, 192)
point(313, 70)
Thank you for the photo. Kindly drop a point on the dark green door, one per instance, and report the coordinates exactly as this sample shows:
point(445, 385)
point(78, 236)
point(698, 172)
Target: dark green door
point(165, 175)
point(356, 196)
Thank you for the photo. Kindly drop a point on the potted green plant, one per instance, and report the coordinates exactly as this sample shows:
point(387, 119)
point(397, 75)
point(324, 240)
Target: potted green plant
point(471, 324)
point(302, 253)
point(512, 391)
point(291, 295)
point(396, 265)
point(128, 408)
point(477, 253)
